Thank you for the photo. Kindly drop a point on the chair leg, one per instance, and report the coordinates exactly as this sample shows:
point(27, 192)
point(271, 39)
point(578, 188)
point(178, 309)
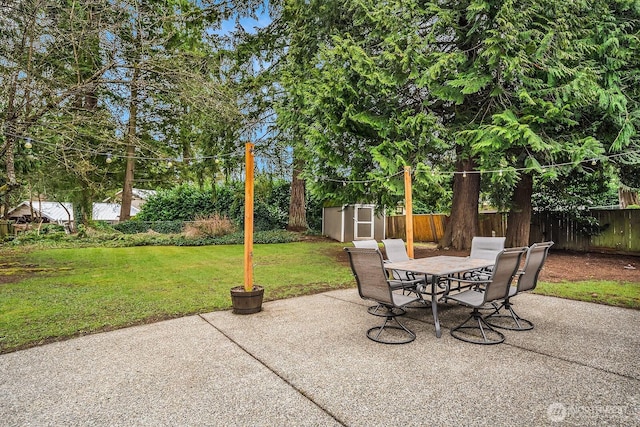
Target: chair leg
point(514, 322)
point(381, 310)
point(403, 335)
point(489, 335)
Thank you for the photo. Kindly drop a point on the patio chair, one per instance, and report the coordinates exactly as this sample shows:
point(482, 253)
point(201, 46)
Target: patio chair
point(496, 288)
point(406, 284)
point(484, 248)
point(527, 281)
point(369, 243)
point(368, 269)
point(396, 252)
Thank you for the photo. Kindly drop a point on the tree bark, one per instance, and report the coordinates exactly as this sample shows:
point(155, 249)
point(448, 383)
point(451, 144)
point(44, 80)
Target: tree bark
point(519, 218)
point(627, 196)
point(463, 222)
point(127, 189)
point(297, 209)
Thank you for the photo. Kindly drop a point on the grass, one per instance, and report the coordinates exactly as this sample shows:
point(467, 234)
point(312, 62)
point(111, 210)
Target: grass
point(95, 289)
point(63, 293)
point(625, 294)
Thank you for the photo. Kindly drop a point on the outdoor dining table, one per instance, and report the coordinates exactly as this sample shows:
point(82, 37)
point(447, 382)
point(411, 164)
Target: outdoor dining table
point(439, 268)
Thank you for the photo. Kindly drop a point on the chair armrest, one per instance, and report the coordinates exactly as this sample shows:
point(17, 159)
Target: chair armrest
point(469, 281)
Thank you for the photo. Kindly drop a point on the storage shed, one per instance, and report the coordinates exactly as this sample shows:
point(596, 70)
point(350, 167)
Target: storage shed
point(353, 222)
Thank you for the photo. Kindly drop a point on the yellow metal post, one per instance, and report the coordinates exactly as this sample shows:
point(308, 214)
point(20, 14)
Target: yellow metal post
point(248, 218)
point(409, 210)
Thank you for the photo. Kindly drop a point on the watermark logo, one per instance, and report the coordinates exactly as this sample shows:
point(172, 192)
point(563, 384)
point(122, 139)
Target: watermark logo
point(558, 412)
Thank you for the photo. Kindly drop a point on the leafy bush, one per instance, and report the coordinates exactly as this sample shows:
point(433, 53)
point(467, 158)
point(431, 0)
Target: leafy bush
point(132, 227)
point(135, 226)
point(187, 202)
point(167, 227)
point(259, 237)
point(573, 195)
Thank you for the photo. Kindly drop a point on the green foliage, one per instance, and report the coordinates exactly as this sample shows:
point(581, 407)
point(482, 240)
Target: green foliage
point(574, 195)
point(121, 240)
point(187, 202)
point(133, 226)
point(367, 87)
point(182, 203)
point(136, 226)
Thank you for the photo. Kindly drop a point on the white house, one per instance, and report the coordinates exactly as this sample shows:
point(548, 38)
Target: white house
point(62, 213)
point(110, 212)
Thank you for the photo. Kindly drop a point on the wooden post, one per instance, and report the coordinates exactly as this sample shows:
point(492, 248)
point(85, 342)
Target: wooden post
point(409, 210)
point(248, 218)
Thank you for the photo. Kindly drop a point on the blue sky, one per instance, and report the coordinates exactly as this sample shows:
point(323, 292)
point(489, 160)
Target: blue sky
point(249, 24)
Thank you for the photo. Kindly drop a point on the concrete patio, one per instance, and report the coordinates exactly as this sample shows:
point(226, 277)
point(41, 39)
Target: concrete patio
point(307, 362)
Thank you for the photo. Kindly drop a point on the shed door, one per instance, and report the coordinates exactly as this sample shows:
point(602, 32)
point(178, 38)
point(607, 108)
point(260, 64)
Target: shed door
point(363, 222)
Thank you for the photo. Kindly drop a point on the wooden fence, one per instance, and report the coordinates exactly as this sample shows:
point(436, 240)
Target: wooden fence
point(620, 229)
point(426, 228)
point(5, 228)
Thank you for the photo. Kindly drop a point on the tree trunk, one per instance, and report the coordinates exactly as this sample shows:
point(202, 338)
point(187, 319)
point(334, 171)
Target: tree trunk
point(627, 196)
point(463, 222)
point(297, 209)
point(127, 189)
point(519, 219)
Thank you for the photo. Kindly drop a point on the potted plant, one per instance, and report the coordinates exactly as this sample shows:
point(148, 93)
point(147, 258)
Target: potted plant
point(247, 299)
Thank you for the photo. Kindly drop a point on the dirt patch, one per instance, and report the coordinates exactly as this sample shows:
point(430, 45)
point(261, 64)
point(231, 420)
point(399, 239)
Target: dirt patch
point(12, 270)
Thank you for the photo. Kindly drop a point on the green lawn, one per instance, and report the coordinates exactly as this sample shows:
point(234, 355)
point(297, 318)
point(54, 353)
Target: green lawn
point(623, 294)
point(85, 290)
point(69, 292)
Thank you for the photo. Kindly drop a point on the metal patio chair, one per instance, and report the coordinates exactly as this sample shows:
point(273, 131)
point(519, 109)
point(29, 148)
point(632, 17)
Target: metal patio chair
point(495, 288)
point(484, 248)
point(368, 243)
point(527, 281)
point(368, 269)
point(397, 252)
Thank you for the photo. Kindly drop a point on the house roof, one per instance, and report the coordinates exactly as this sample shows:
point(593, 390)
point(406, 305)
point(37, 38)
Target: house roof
point(54, 211)
point(110, 211)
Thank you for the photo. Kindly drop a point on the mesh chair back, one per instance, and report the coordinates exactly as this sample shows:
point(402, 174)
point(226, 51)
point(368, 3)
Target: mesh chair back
point(507, 263)
point(536, 256)
point(368, 269)
point(395, 249)
point(486, 247)
point(370, 244)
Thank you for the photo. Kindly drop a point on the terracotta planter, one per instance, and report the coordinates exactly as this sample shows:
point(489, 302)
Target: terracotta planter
point(244, 302)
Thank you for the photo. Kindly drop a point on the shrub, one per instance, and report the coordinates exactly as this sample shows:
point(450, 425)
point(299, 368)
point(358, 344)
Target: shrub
point(132, 227)
point(163, 227)
point(167, 227)
point(211, 226)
